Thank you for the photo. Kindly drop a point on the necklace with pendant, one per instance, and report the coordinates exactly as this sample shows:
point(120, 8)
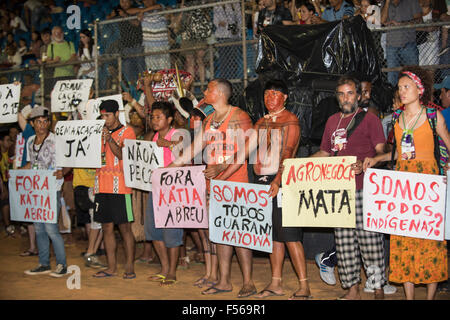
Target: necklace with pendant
point(216, 124)
point(273, 115)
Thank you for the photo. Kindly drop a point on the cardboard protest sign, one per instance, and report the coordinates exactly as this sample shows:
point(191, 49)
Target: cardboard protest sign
point(319, 192)
point(78, 143)
point(447, 213)
point(163, 90)
point(32, 196)
point(179, 197)
point(240, 214)
point(9, 102)
point(65, 92)
point(140, 158)
point(20, 147)
point(404, 203)
point(91, 109)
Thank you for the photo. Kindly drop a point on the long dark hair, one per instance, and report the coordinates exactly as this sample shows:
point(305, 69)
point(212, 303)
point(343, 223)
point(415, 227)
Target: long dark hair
point(87, 33)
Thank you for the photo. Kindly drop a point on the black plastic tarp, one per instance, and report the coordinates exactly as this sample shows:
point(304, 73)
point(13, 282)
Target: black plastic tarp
point(310, 58)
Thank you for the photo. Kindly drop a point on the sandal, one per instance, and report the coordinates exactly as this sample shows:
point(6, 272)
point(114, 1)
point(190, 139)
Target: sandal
point(142, 260)
point(28, 253)
point(271, 293)
point(200, 282)
point(167, 282)
point(157, 277)
point(103, 274)
point(129, 275)
point(246, 293)
point(300, 297)
point(216, 291)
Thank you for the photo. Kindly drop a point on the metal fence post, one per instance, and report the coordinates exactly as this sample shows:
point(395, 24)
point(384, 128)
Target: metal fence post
point(211, 64)
point(244, 46)
point(96, 56)
point(119, 72)
point(41, 70)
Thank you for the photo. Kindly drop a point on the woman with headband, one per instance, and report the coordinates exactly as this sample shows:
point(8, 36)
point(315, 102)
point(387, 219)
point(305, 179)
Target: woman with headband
point(412, 260)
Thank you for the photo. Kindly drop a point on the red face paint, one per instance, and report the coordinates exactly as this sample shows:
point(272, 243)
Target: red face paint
point(274, 100)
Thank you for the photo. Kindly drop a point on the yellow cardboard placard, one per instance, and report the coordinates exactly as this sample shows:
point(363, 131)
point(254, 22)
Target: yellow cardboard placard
point(319, 192)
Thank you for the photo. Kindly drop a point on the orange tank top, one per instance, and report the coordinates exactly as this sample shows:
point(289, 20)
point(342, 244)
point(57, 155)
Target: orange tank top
point(110, 177)
point(217, 140)
point(423, 141)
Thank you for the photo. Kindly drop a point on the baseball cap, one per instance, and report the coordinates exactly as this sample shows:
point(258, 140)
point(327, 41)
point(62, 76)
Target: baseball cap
point(39, 111)
point(109, 106)
point(444, 84)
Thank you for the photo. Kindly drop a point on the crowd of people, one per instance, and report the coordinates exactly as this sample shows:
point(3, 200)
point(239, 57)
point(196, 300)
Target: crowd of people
point(98, 199)
point(25, 25)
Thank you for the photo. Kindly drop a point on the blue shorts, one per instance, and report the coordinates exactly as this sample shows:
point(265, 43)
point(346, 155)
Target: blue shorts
point(172, 237)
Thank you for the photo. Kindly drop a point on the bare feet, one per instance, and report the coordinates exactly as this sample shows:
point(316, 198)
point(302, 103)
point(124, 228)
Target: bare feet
point(352, 294)
point(379, 294)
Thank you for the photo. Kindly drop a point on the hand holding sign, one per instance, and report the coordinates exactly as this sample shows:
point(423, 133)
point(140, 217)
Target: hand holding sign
point(140, 158)
point(404, 203)
point(78, 143)
point(66, 92)
point(240, 214)
point(33, 196)
point(319, 192)
point(179, 197)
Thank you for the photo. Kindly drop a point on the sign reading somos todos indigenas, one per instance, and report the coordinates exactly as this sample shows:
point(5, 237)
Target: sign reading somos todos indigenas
point(319, 192)
point(32, 196)
point(9, 102)
point(78, 143)
point(404, 203)
point(66, 91)
point(179, 197)
point(140, 158)
point(240, 214)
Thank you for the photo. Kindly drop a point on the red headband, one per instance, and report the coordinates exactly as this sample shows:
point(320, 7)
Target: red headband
point(416, 80)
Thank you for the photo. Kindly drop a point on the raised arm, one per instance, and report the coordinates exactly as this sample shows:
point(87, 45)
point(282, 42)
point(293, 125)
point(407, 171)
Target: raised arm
point(385, 12)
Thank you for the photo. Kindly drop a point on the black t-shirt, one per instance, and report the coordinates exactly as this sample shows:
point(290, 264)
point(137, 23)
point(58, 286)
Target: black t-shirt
point(275, 17)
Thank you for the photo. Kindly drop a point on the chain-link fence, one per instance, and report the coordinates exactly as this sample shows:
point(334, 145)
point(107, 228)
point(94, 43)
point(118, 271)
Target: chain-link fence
point(203, 39)
point(211, 40)
point(423, 44)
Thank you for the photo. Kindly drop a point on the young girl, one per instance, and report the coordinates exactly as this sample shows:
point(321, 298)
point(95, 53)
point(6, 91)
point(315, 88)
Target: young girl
point(415, 261)
point(86, 51)
point(167, 242)
point(23, 49)
point(303, 12)
point(34, 51)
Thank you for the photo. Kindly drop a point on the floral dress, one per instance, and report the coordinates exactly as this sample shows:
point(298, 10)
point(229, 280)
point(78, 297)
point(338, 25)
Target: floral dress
point(419, 261)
